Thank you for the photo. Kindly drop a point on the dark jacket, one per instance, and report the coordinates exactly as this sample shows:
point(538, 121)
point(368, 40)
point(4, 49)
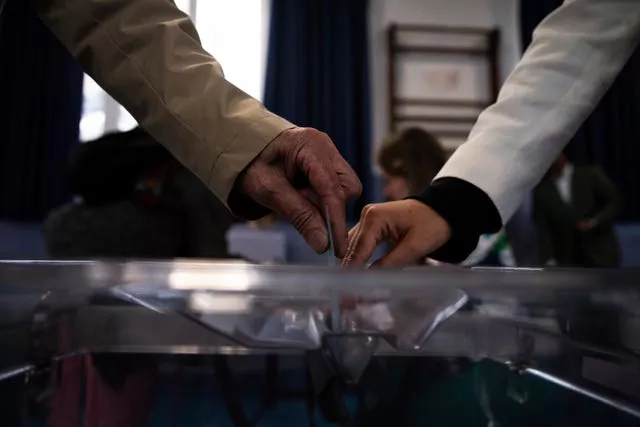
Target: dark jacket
point(593, 197)
point(137, 202)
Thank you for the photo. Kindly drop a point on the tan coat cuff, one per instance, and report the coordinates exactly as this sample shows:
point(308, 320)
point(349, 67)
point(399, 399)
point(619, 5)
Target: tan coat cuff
point(242, 150)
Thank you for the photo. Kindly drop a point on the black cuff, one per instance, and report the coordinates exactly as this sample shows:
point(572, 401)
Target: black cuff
point(468, 210)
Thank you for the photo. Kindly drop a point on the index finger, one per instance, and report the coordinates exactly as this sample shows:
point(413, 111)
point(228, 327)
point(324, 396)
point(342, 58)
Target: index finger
point(351, 190)
point(363, 243)
point(347, 177)
point(335, 183)
point(338, 219)
point(324, 181)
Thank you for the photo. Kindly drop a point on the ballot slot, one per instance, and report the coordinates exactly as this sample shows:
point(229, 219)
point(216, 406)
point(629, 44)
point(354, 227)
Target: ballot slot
point(334, 317)
point(260, 319)
point(222, 295)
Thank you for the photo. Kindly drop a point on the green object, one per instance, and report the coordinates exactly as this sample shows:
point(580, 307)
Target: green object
point(501, 244)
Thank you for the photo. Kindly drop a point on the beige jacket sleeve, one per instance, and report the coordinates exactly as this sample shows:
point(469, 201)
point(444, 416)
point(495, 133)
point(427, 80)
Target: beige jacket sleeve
point(575, 55)
point(147, 55)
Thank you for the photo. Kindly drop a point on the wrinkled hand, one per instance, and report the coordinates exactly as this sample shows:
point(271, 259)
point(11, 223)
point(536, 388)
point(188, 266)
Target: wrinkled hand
point(414, 227)
point(298, 174)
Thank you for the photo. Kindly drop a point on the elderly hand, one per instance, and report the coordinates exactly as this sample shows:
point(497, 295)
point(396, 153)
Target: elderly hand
point(414, 227)
point(298, 174)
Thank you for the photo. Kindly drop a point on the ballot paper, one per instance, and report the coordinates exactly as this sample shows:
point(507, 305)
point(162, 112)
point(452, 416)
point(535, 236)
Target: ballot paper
point(333, 261)
point(331, 253)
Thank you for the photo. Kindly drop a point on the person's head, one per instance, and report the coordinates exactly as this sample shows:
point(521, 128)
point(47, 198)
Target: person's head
point(409, 161)
point(110, 168)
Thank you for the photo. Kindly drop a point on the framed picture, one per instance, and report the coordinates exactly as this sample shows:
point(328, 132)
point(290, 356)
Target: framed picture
point(441, 78)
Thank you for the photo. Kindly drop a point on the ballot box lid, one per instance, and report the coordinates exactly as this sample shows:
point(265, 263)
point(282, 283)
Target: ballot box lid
point(298, 308)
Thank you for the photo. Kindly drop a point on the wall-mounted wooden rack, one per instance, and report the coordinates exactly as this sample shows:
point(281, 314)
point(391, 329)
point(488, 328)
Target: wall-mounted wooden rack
point(445, 118)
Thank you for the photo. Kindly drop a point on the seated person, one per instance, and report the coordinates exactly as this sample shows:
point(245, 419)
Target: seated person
point(134, 200)
point(409, 161)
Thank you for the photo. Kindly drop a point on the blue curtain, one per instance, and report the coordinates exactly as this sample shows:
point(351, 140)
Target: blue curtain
point(41, 93)
point(318, 75)
point(611, 135)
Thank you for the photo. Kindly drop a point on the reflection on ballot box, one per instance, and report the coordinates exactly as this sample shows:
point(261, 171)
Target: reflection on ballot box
point(205, 343)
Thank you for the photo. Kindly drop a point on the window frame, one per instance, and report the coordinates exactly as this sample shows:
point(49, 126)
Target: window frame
point(114, 113)
point(116, 118)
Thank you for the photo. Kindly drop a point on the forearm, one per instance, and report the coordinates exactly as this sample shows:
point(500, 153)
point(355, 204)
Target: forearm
point(147, 55)
point(574, 56)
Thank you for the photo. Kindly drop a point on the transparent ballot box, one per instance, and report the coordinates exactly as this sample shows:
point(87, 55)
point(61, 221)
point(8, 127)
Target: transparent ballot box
point(105, 335)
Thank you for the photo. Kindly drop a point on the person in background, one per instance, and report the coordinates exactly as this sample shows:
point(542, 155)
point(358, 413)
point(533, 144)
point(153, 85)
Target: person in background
point(574, 209)
point(409, 161)
point(147, 55)
point(133, 200)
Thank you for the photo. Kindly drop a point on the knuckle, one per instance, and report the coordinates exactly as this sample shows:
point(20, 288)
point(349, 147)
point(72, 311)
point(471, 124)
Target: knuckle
point(365, 211)
point(375, 212)
point(338, 190)
point(371, 212)
point(267, 189)
point(302, 219)
point(313, 135)
point(321, 141)
point(307, 158)
point(264, 186)
point(253, 182)
point(269, 193)
point(319, 134)
point(415, 247)
point(326, 139)
point(356, 188)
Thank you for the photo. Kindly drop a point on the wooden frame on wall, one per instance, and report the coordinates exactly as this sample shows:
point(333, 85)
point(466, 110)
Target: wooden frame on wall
point(458, 69)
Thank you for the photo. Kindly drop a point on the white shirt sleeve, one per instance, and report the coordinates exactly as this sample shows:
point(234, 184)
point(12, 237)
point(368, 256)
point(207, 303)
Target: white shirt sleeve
point(575, 55)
